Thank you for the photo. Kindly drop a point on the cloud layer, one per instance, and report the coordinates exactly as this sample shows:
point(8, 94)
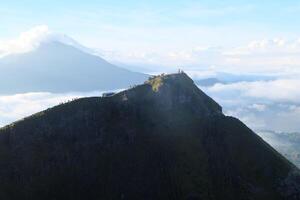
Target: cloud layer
point(272, 56)
point(272, 105)
point(282, 90)
point(18, 106)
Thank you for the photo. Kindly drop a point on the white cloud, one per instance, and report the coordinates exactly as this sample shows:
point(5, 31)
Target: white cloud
point(282, 90)
point(271, 56)
point(18, 106)
point(31, 39)
point(258, 107)
point(269, 105)
point(25, 42)
point(267, 47)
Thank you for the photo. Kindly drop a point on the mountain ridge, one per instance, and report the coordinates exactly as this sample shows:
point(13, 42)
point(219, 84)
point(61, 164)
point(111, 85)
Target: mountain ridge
point(164, 139)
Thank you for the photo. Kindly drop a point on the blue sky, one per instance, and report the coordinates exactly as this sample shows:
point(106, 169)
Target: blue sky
point(88, 19)
point(152, 32)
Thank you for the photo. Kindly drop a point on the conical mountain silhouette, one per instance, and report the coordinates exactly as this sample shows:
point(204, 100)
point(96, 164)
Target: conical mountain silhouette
point(57, 67)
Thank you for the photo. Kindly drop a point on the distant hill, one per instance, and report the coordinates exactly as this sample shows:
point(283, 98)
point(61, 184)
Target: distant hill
point(164, 139)
point(57, 67)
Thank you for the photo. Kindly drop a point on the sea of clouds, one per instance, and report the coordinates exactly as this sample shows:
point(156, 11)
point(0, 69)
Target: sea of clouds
point(262, 105)
point(17, 106)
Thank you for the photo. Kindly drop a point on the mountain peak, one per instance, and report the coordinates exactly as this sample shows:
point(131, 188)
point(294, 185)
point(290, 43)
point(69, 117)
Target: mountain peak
point(174, 97)
point(164, 139)
point(63, 41)
point(172, 91)
point(180, 78)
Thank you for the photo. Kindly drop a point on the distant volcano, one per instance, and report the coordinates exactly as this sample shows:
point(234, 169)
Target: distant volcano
point(58, 67)
point(164, 139)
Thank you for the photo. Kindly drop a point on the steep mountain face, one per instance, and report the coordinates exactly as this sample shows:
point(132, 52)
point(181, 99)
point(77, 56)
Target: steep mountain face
point(164, 139)
point(57, 67)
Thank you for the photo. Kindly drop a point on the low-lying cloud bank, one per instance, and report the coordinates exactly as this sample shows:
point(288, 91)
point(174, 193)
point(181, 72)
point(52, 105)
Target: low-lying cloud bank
point(283, 90)
point(272, 105)
point(16, 107)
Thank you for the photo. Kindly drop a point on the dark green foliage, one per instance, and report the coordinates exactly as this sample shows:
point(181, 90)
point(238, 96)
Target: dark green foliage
point(171, 142)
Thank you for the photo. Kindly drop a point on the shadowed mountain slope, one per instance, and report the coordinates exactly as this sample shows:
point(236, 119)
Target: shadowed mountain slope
point(164, 139)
